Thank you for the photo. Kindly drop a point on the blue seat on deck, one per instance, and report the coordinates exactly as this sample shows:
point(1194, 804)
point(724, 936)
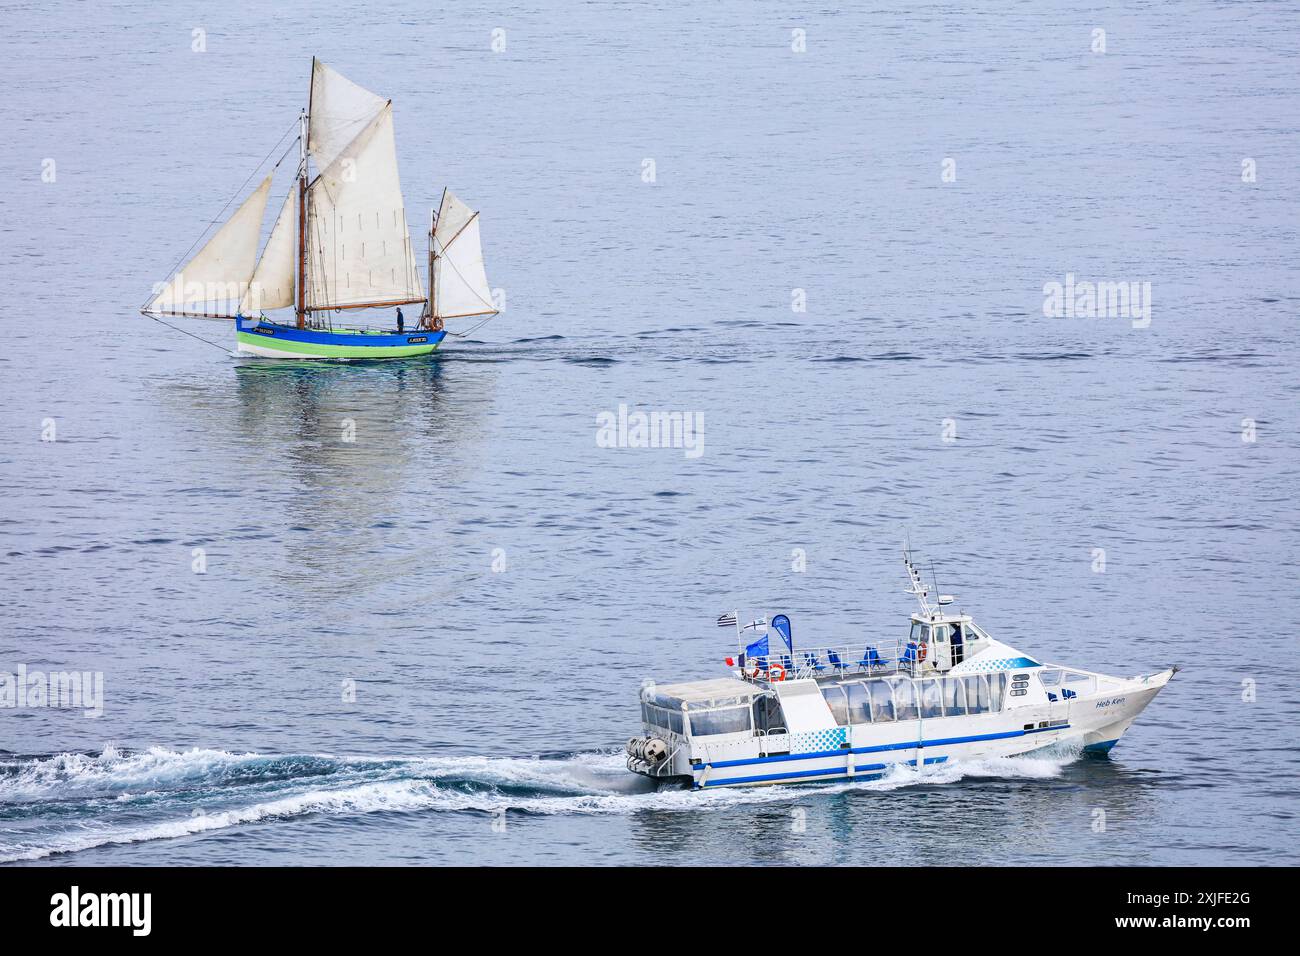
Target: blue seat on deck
point(835, 660)
point(1068, 694)
point(909, 656)
point(812, 661)
point(1051, 697)
point(870, 659)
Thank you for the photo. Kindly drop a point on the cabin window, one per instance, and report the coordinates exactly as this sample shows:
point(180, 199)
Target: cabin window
point(997, 690)
point(662, 717)
point(954, 696)
point(882, 701)
point(977, 694)
point(931, 698)
point(731, 720)
point(941, 634)
point(904, 699)
point(859, 702)
point(916, 632)
point(1050, 678)
point(837, 702)
point(1080, 683)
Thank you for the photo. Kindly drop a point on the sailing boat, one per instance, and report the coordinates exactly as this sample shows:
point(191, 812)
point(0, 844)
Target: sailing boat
point(339, 243)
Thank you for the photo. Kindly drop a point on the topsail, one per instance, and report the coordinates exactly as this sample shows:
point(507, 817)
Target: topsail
point(339, 112)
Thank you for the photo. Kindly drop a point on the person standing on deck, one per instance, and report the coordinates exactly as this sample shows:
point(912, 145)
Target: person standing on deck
point(401, 322)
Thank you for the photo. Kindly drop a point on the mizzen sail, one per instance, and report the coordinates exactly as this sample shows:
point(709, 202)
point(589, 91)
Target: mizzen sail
point(214, 282)
point(459, 280)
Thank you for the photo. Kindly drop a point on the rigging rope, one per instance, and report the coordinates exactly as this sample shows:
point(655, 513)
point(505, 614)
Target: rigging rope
point(191, 334)
point(469, 332)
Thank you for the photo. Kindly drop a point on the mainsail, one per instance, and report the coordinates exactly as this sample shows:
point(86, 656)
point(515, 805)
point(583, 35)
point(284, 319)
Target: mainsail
point(215, 280)
point(272, 285)
point(358, 247)
point(458, 280)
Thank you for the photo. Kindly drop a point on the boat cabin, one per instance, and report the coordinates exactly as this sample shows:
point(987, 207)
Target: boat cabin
point(948, 639)
point(720, 705)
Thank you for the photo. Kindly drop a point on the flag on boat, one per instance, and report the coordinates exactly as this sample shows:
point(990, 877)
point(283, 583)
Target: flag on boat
point(727, 620)
point(758, 649)
point(781, 624)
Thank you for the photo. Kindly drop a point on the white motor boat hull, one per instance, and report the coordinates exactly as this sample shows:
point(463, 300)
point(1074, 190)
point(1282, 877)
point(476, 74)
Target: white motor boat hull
point(1093, 723)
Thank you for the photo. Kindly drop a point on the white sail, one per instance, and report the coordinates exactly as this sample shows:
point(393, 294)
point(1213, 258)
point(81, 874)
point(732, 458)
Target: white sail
point(460, 285)
point(340, 112)
point(358, 247)
point(273, 279)
point(214, 281)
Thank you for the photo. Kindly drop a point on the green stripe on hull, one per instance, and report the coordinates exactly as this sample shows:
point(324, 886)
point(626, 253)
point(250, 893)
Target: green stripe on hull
point(311, 349)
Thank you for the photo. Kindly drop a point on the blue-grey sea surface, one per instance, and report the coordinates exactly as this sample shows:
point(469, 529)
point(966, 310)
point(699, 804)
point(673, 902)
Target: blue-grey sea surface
point(396, 638)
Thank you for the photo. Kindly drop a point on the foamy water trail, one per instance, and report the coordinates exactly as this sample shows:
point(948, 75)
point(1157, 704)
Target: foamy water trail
point(73, 802)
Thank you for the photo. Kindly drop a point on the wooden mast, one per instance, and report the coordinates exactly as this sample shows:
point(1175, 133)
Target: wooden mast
point(434, 323)
point(303, 121)
point(302, 232)
point(430, 305)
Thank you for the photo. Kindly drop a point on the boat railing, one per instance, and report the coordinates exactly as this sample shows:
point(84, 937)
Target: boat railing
point(871, 658)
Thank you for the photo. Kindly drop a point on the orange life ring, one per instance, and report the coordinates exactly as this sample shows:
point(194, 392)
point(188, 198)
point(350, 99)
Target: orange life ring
point(776, 672)
point(921, 651)
point(757, 670)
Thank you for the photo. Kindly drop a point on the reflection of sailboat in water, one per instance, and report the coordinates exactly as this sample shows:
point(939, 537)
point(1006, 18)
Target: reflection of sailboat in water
point(340, 242)
point(352, 457)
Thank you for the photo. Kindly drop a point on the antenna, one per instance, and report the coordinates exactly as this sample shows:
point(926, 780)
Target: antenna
point(918, 588)
point(943, 600)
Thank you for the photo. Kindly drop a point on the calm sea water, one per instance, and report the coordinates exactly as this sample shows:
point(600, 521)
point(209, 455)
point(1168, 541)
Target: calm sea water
point(226, 736)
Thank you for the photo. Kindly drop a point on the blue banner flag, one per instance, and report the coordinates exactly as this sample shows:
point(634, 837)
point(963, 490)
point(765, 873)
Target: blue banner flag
point(781, 624)
point(758, 648)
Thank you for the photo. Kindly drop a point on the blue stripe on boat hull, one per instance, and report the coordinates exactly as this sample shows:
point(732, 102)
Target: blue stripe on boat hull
point(859, 768)
point(908, 745)
point(871, 771)
point(358, 339)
